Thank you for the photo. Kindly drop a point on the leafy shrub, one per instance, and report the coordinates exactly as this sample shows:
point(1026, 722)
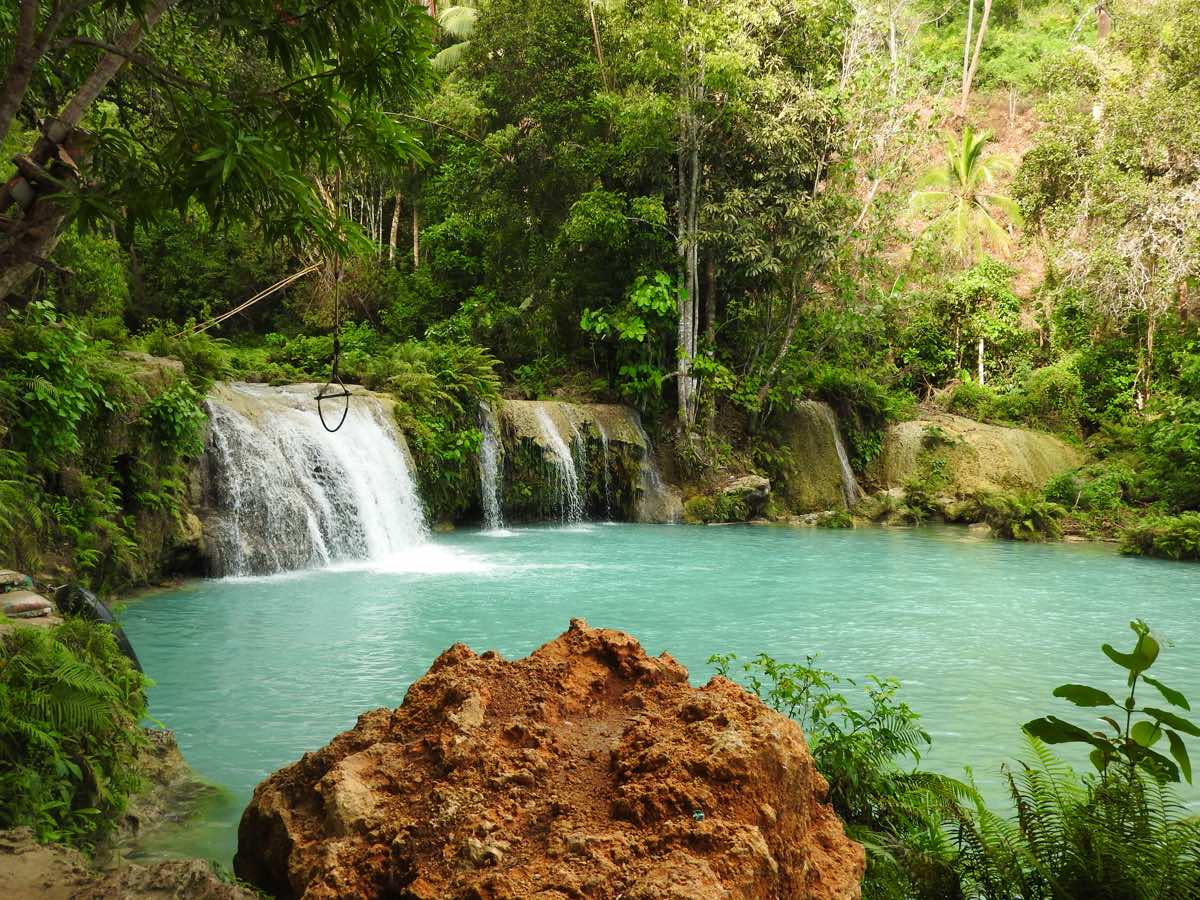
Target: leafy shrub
point(438, 390)
point(175, 420)
point(835, 518)
point(1117, 833)
point(1171, 447)
point(704, 509)
point(972, 399)
point(48, 383)
point(1021, 517)
point(862, 750)
point(864, 408)
point(1050, 398)
point(1171, 537)
point(70, 704)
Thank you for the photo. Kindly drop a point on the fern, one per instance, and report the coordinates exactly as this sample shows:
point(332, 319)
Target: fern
point(70, 704)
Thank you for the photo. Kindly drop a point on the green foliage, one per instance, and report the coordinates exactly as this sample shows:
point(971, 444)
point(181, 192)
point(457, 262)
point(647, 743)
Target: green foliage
point(1171, 537)
point(175, 420)
point(438, 390)
point(70, 704)
point(48, 382)
point(1171, 449)
point(863, 750)
point(1129, 747)
point(1051, 398)
point(708, 508)
point(960, 196)
point(1021, 517)
point(835, 518)
point(864, 408)
point(1123, 836)
point(1115, 834)
point(970, 398)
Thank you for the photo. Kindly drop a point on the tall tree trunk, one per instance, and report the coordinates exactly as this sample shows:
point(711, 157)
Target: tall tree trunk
point(596, 42)
point(395, 230)
point(33, 237)
point(969, 70)
point(710, 300)
point(416, 237)
point(25, 57)
point(979, 359)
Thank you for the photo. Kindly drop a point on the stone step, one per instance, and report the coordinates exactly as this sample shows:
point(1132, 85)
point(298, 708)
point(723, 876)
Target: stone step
point(25, 605)
point(11, 579)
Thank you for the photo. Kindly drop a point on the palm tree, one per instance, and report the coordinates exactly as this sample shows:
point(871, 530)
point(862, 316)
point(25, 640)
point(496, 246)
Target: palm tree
point(459, 23)
point(958, 194)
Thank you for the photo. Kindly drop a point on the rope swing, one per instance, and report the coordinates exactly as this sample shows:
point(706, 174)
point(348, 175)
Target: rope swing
point(335, 388)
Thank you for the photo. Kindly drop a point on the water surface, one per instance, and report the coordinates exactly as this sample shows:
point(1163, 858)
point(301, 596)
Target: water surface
point(253, 672)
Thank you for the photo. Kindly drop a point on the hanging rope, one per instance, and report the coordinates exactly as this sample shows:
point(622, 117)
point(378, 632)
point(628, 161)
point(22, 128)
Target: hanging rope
point(261, 295)
point(335, 388)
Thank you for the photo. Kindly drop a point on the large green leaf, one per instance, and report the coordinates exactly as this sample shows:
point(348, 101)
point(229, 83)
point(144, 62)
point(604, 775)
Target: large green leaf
point(1179, 751)
point(1179, 723)
point(1145, 733)
point(1082, 695)
point(1126, 660)
point(1054, 730)
point(1169, 694)
point(1155, 763)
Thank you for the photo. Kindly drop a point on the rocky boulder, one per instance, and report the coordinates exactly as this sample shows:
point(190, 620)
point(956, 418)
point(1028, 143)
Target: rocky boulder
point(587, 769)
point(979, 456)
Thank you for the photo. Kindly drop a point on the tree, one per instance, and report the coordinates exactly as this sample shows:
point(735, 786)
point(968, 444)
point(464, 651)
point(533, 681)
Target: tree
point(960, 196)
point(234, 107)
point(971, 58)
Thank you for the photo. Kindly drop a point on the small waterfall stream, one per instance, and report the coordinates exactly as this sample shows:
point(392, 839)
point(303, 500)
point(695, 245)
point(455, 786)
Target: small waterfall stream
point(604, 463)
point(491, 453)
point(285, 494)
point(569, 493)
point(850, 488)
point(656, 503)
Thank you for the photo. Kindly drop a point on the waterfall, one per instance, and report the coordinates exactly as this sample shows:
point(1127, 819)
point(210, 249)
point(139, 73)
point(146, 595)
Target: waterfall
point(850, 488)
point(570, 498)
point(656, 502)
point(604, 466)
point(491, 452)
point(285, 494)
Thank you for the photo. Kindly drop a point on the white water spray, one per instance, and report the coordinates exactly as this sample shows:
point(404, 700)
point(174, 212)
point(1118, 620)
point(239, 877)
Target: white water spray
point(491, 453)
point(570, 498)
point(285, 494)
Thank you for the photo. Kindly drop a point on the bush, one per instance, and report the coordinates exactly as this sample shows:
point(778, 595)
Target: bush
point(1021, 517)
point(863, 750)
point(972, 399)
point(704, 509)
point(864, 408)
point(70, 704)
point(1115, 833)
point(835, 518)
point(1170, 537)
point(1051, 398)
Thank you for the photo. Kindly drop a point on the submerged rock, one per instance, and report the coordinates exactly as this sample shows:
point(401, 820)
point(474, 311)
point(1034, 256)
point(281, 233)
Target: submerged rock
point(586, 769)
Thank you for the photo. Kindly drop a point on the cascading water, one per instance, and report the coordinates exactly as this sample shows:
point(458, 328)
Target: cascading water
point(570, 498)
point(604, 463)
point(491, 452)
point(850, 488)
point(656, 502)
point(285, 494)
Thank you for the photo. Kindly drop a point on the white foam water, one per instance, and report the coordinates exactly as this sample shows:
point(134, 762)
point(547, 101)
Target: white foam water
point(282, 493)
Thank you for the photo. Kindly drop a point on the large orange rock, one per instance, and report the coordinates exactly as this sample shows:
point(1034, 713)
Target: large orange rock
point(587, 769)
